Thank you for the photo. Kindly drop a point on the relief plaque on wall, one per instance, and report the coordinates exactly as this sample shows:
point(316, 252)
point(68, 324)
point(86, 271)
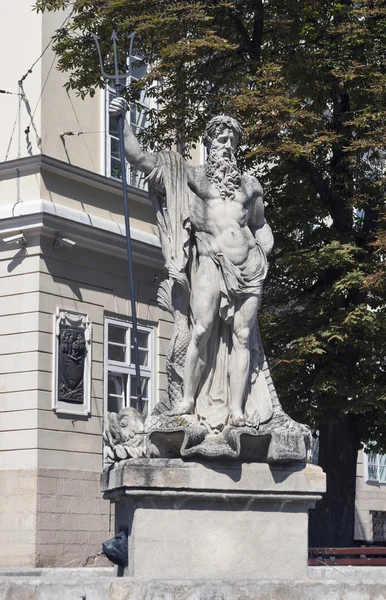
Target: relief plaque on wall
point(72, 367)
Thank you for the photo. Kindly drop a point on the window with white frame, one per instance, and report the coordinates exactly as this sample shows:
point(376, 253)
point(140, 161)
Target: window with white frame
point(120, 381)
point(376, 468)
point(137, 117)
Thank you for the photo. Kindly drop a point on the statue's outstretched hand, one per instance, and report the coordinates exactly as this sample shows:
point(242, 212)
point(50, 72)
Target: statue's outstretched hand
point(118, 107)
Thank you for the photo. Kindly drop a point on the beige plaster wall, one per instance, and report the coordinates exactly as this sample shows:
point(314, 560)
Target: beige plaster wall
point(20, 343)
point(33, 286)
point(64, 111)
point(61, 189)
point(18, 187)
point(20, 46)
point(46, 108)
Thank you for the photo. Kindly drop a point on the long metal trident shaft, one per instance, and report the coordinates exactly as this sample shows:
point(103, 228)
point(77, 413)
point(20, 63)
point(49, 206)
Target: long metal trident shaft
point(120, 83)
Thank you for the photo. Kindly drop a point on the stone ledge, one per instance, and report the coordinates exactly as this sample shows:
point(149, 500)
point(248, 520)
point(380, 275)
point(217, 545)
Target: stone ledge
point(330, 573)
point(101, 588)
point(175, 477)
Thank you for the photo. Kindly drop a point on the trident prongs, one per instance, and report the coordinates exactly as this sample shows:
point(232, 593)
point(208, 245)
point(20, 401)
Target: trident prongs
point(120, 78)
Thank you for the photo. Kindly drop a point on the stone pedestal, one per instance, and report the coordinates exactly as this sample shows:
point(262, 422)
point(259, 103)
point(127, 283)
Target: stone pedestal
point(200, 520)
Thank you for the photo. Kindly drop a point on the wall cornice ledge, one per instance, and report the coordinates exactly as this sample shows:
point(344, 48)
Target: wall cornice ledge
point(88, 231)
point(38, 163)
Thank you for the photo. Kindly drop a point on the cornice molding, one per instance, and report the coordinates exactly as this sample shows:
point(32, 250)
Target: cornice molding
point(88, 231)
point(39, 163)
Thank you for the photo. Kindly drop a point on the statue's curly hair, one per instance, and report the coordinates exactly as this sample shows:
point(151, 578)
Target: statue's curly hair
point(213, 126)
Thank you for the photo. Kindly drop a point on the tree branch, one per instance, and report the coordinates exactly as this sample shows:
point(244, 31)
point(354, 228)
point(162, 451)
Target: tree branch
point(258, 26)
point(252, 47)
point(341, 214)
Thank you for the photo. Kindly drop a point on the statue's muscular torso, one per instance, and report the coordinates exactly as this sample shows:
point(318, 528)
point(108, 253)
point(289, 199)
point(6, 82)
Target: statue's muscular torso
point(226, 222)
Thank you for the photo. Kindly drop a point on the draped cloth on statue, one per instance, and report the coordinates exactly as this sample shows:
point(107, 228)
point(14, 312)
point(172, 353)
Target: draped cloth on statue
point(171, 197)
point(169, 193)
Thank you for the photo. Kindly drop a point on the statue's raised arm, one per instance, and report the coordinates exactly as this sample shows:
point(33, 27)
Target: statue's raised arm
point(143, 161)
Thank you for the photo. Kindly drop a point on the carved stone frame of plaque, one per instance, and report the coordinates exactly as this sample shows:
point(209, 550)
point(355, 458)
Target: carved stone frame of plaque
point(71, 382)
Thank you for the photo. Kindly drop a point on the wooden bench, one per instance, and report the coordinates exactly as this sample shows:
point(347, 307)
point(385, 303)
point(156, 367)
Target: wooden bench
point(368, 556)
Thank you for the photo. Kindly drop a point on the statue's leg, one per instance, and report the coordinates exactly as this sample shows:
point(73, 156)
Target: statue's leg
point(244, 320)
point(205, 304)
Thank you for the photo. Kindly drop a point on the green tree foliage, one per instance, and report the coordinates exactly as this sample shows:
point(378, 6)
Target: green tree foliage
point(307, 79)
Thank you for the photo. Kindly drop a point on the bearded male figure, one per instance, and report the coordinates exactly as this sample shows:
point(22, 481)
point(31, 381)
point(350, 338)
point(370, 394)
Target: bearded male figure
point(215, 241)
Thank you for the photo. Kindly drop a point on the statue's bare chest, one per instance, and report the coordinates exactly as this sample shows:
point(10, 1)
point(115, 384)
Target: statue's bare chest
point(208, 190)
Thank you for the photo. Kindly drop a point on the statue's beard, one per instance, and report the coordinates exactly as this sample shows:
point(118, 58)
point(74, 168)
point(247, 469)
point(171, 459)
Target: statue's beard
point(223, 172)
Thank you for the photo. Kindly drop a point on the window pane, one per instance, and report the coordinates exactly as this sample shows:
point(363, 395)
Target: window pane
point(114, 145)
point(137, 70)
point(144, 388)
point(382, 459)
point(145, 407)
point(117, 353)
point(143, 357)
point(115, 168)
point(143, 344)
point(143, 341)
point(117, 334)
point(113, 127)
point(116, 384)
point(372, 472)
point(138, 118)
point(137, 179)
point(114, 404)
point(116, 392)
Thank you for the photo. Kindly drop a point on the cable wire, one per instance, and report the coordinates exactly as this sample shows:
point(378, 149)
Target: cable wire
point(45, 49)
point(12, 93)
point(12, 134)
point(80, 126)
point(22, 93)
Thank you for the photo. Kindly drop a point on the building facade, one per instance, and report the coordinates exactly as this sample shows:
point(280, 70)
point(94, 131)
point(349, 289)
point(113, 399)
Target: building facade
point(61, 198)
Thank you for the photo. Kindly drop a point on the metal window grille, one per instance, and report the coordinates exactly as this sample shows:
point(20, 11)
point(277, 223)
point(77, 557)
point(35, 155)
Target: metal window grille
point(379, 525)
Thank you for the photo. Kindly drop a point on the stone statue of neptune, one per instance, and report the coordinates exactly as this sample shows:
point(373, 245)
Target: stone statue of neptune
point(215, 241)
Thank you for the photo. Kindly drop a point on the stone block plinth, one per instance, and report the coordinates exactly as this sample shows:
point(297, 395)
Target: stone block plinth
point(213, 520)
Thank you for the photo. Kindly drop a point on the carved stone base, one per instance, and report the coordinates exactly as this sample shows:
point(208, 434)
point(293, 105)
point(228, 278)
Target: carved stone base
point(271, 442)
point(213, 520)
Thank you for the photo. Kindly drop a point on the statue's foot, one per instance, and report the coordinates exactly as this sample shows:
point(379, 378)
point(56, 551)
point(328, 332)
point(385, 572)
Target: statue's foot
point(280, 420)
point(185, 407)
point(255, 420)
point(237, 419)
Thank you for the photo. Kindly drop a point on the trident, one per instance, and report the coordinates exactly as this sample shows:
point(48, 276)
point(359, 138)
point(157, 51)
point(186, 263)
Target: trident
point(120, 83)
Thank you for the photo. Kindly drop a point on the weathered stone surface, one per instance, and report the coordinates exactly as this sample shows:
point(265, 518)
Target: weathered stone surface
point(258, 479)
point(244, 443)
point(215, 241)
point(214, 520)
point(102, 588)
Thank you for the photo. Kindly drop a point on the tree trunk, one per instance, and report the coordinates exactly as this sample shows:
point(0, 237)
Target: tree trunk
point(332, 520)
